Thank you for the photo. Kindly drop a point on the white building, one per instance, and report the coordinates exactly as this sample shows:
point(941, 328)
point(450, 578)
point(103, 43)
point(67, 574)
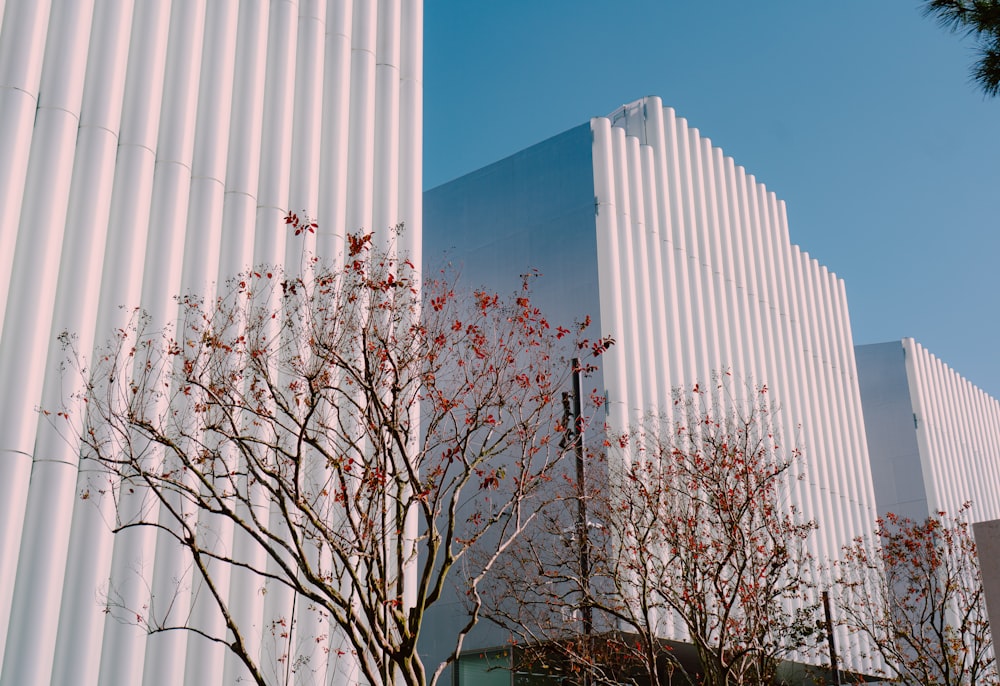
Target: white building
point(152, 148)
point(685, 259)
point(934, 437)
point(149, 149)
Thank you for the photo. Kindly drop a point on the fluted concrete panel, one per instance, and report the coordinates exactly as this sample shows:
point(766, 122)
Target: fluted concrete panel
point(34, 275)
point(697, 272)
point(22, 47)
point(148, 149)
point(957, 429)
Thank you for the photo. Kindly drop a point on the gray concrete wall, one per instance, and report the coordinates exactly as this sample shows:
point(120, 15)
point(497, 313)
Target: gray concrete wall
point(889, 423)
point(987, 535)
point(531, 211)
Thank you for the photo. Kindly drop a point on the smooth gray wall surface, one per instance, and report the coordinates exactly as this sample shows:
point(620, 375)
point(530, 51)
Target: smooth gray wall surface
point(532, 210)
point(889, 424)
point(987, 535)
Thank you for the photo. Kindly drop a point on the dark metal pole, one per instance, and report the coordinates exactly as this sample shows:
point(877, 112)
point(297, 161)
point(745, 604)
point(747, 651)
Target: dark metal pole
point(581, 479)
point(830, 639)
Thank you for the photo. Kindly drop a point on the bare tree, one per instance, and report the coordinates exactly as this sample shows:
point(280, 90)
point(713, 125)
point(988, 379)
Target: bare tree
point(589, 626)
point(694, 538)
point(915, 590)
point(345, 433)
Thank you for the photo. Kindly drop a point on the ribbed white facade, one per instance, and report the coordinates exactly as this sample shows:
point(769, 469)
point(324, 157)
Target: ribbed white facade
point(697, 274)
point(149, 149)
point(935, 436)
point(958, 433)
point(685, 259)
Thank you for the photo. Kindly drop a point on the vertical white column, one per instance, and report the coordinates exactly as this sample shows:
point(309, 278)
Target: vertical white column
point(865, 509)
point(783, 378)
point(122, 656)
point(652, 247)
point(950, 440)
point(692, 287)
point(269, 248)
point(385, 198)
point(310, 645)
point(965, 412)
point(79, 640)
point(334, 144)
point(830, 451)
point(170, 596)
point(237, 252)
point(753, 337)
point(608, 265)
point(625, 286)
point(757, 274)
point(361, 138)
point(800, 430)
point(409, 184)
point(783, 395)
point(167, 177)
point(411, 117)
point(716, 259)
point(770, 251)
point(25, 343)
point(22, 49)
point(275, 160)
point(930, 440)
point(986, 416)
point(930, 426)
point(656, 138)
point(682, 369)
point(33, 276)
point(306, 124)
point(204, 659)
point(209, 155)
point(76, 626)
point(839, 428)
point(735, 293)
point(989, 413)
point(245, 133)
point(817, 473)
point(712, 310)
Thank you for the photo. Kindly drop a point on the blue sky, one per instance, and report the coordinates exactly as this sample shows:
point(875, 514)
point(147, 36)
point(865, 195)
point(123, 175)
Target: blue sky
point(858, 113)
